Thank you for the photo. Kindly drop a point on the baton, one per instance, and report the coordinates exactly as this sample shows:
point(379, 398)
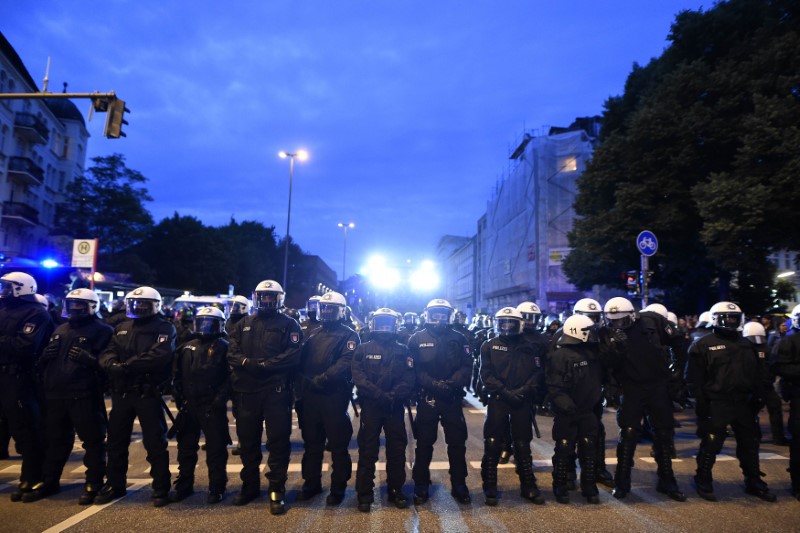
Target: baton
point(411, 421)
point(535, 425)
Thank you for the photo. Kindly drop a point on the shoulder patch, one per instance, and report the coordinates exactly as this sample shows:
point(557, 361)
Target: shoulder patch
point(294, 338)
point(410, 362)
point(351, 345)
point(28, 328)
point(467, 350)
point(163, 338)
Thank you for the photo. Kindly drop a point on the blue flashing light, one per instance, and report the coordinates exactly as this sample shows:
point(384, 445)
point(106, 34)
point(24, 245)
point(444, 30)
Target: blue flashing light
point(50, 263)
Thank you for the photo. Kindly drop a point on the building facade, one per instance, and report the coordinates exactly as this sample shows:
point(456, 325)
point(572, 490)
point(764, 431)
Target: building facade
point(521, 240)
point(43, 146)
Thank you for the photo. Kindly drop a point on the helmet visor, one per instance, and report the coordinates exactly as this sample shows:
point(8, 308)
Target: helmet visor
point(729, 321)
point(438, 316)
point(207, 325)
point(507, 326)
point(265, 300)
point(384, 324)
point(74, 308)
point(623, 322)
point(595, 317)
point(139, 308)
point(238, 308)
point(7, 289)
point(330, 312)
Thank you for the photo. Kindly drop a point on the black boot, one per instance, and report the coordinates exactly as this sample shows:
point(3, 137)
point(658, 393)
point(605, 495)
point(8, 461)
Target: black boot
point(587, 454)
point(277, 495)
point(527, 479)
point(703, 481)
point(491, 458)
point(398, 498)
point(753, 484)
point(22, 489)
point(41, 490)
point(629, 438)
point(184, 487)
point(561, 462)
point(667, 484)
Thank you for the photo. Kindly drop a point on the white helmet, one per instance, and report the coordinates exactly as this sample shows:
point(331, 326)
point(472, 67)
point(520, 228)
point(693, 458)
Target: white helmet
point(619, 313)
point(384, 321)
point(704, 319)
point(657, 309)
point(588, 307)
point(755, 332)
point(80, 303)
point(439, 312)
point(239, 305)
point(209, 321)
point(312, 306)
point(727, 316)
point(332, 307)
point(142, 302)
point(576, 330)
point(795, 317)
point(268, 296)
point(531, 314)
point(16, 284)
point(508, 321)
point(40, 298)
point(672, 318)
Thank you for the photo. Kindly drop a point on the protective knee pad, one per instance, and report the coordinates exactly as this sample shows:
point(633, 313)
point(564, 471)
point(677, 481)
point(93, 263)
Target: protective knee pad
point(713, 443)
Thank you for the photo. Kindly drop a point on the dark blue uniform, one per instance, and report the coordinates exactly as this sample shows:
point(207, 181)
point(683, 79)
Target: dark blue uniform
point(786, 363)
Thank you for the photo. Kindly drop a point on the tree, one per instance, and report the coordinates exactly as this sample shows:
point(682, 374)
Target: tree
point(701, 149)
point(108, 204)
point(254, 254)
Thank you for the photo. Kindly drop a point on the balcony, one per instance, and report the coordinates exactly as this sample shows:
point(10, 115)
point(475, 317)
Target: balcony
point(20, 214)
point(25, 171)
point(31, 128)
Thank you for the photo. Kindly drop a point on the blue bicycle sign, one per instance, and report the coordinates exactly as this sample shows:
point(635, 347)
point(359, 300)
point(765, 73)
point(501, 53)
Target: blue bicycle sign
point(647, 243)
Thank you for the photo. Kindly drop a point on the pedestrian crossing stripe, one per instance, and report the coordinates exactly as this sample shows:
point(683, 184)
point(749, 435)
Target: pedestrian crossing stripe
point(477, 411)
point(380, 466)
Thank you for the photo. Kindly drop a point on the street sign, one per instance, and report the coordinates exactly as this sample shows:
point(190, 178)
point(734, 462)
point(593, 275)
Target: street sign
point(647, 243)
point(83, 253)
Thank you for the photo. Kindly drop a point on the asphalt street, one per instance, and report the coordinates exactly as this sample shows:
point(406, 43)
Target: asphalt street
point(643, 510)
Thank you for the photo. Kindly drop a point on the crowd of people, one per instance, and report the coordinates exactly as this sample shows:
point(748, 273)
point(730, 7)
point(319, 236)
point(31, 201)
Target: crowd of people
point(54, 380)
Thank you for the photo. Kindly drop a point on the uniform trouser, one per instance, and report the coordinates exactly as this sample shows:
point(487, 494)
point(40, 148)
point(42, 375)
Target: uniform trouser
point(212, 420)
point(501, 417)
point(392, 422)
point(794, 448)
point(774, 407)
point(5, 435)
point(21, 407)
point(125, 408)
point(739, 415)
point(326, 420)
point(65, 417)
point(581, 430)
point(255, 409)
point(638, 400)
point(451, 416)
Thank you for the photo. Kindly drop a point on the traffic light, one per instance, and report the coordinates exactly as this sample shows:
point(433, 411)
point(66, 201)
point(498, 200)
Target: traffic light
point(115, 119)
point(632, 282)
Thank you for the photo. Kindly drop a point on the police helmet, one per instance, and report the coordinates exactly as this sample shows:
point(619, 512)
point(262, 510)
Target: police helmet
point(80, 303)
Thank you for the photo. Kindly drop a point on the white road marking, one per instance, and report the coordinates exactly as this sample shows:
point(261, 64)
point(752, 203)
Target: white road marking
point(92, 510)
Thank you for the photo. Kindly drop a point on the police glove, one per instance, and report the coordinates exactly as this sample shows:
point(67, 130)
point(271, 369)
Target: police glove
point(117, 370)
point(618, 336)
point(82, 356)
point(442, 388)
point(319, 382)
point(514, 398)
point(51, 351)
point(253, 364)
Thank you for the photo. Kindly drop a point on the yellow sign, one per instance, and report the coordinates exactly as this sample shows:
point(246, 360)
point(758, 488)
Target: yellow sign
point(83, 252)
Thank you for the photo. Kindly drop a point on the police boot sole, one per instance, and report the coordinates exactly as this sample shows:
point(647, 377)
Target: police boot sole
point(365, 507)
point(277, 508)
point(334, 500)
point(619, 494)
point(676, 495)
point(708, 496)
point(105, 497)
point(420, 499)
point(87, 498)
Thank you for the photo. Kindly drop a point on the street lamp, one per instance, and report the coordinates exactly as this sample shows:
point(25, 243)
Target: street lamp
point(344, 226)
point(302, 155)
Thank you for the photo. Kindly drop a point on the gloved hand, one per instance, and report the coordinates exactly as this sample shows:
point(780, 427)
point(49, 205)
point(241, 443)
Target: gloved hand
point(443, 388)
point(81, 356)
point(563, 406)
point(318, 383)
point(253, 364)
point(618, 336)
point(117, 370)
point(385, 401)
point(514, 398)
point(51, 351)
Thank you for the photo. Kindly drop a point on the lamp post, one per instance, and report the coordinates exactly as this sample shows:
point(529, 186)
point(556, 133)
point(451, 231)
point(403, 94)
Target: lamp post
point(302, 155)
point(344, 226)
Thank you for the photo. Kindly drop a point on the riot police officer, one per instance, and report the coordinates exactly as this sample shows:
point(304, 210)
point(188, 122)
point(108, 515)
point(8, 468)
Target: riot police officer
point(327, 390)
point(263, 354)
point(574, 381)
point(409, 327)
point(640, 364)
point(513, 376)
point(312, 323)
point(786, 363)
point(25, 327)
point(138, 360)
point(239, 307)
point(443, 364)
point(184, 324)
point(728, 387)
point(73, 390)
point(202, 389)
point(755, 333)
point(383, 373)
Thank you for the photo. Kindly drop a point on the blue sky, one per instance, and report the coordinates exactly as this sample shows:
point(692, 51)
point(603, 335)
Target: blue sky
point(409, 109)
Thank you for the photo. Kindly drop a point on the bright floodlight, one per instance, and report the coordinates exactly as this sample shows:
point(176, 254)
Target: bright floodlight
point(282, 154)
point(425, 278)
point(302, 155)
point(785, 274)
point(380, 275)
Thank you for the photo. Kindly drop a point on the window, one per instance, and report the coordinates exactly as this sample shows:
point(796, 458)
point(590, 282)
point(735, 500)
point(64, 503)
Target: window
point(568, 164)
